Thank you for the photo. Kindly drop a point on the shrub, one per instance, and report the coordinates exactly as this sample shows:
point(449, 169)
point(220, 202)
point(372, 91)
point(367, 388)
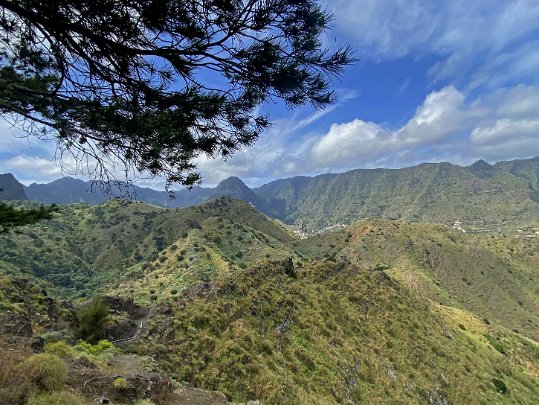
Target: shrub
point(45, 371)
point(14, 384)
point(120, 383)
point(60, 349)
point(101, 346)
point(92, 318)
point(500, 385)
point(52, 336)
point(57, 398)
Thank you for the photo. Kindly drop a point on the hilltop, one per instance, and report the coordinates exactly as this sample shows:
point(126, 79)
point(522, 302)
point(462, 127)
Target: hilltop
point(10, 188)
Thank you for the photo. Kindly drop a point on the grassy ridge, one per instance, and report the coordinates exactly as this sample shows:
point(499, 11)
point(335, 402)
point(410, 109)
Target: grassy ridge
point(334, 333)
point(494, 276)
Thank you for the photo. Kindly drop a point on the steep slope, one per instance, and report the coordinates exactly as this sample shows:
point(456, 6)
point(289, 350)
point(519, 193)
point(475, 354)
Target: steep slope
point(235, 188)
point(88, 246)
point(494, 276)
point(333, 332)
point(10, 188)
point(482, 197)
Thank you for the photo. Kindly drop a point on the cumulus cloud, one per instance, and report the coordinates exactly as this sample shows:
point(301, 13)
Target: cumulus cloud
point(505, 130)
point(440, 116)
point(504, 125)
point(32, 166)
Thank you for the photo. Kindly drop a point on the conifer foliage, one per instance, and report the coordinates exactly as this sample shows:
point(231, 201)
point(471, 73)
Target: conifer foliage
point(153, 84)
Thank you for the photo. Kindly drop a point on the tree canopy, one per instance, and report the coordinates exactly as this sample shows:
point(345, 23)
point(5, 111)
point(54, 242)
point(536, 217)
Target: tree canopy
point(154, 83)
point(12, 217)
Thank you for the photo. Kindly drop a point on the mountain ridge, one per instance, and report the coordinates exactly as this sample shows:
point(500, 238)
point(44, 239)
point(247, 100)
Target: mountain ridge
point(481, 195)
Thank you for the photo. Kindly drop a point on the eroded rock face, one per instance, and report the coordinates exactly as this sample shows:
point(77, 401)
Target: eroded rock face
point(15, 325)
point(120, 330)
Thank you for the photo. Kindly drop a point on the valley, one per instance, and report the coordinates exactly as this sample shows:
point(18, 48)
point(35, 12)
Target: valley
point(503, 197)
point(221, 299)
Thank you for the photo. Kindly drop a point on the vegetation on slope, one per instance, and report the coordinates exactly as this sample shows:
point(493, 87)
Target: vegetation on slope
point(334, 333)
point(503, 196)
point(84, 247)
point(492, 275)
point(379, 311)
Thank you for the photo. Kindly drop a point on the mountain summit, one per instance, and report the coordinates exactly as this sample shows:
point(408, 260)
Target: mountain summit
point(236, 188)
point(10, 188)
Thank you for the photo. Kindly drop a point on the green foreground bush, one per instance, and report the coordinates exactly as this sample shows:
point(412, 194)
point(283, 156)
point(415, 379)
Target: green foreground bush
point(45, 371)
point(57, 398)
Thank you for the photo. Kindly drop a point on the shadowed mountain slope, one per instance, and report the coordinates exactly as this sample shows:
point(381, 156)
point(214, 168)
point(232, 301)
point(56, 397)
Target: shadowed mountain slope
point(10, 188)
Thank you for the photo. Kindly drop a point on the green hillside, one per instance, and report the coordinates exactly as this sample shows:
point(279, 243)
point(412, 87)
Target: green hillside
point(333, 332)
point(482, 197)
point(494, 276)
point(221, 298)
point(86, 247)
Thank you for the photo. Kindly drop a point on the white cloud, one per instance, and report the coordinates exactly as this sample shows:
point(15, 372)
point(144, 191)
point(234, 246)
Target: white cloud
point(32, 165)
point(502, 126)
point(349, 144)
point(506, 130)
point(464, 34)
point(393, 28)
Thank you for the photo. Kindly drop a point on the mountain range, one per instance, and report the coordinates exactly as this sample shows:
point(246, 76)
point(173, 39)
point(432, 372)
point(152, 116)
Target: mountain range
point(481, 197)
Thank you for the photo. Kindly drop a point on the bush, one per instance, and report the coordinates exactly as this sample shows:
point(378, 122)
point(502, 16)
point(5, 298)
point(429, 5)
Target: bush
point(57, 398)
point(52, 336)
point(60, 349)
point(101, 346)
point(92, 318)
point(45, 371)
point(14, 384)
point(500, 385)
point(120, 383)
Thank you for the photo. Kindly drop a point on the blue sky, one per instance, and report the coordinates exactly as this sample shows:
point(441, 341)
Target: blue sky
point(437, 81)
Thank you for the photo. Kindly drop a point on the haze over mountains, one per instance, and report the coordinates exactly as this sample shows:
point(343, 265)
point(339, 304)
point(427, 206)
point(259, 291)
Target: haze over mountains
point(481, 196)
